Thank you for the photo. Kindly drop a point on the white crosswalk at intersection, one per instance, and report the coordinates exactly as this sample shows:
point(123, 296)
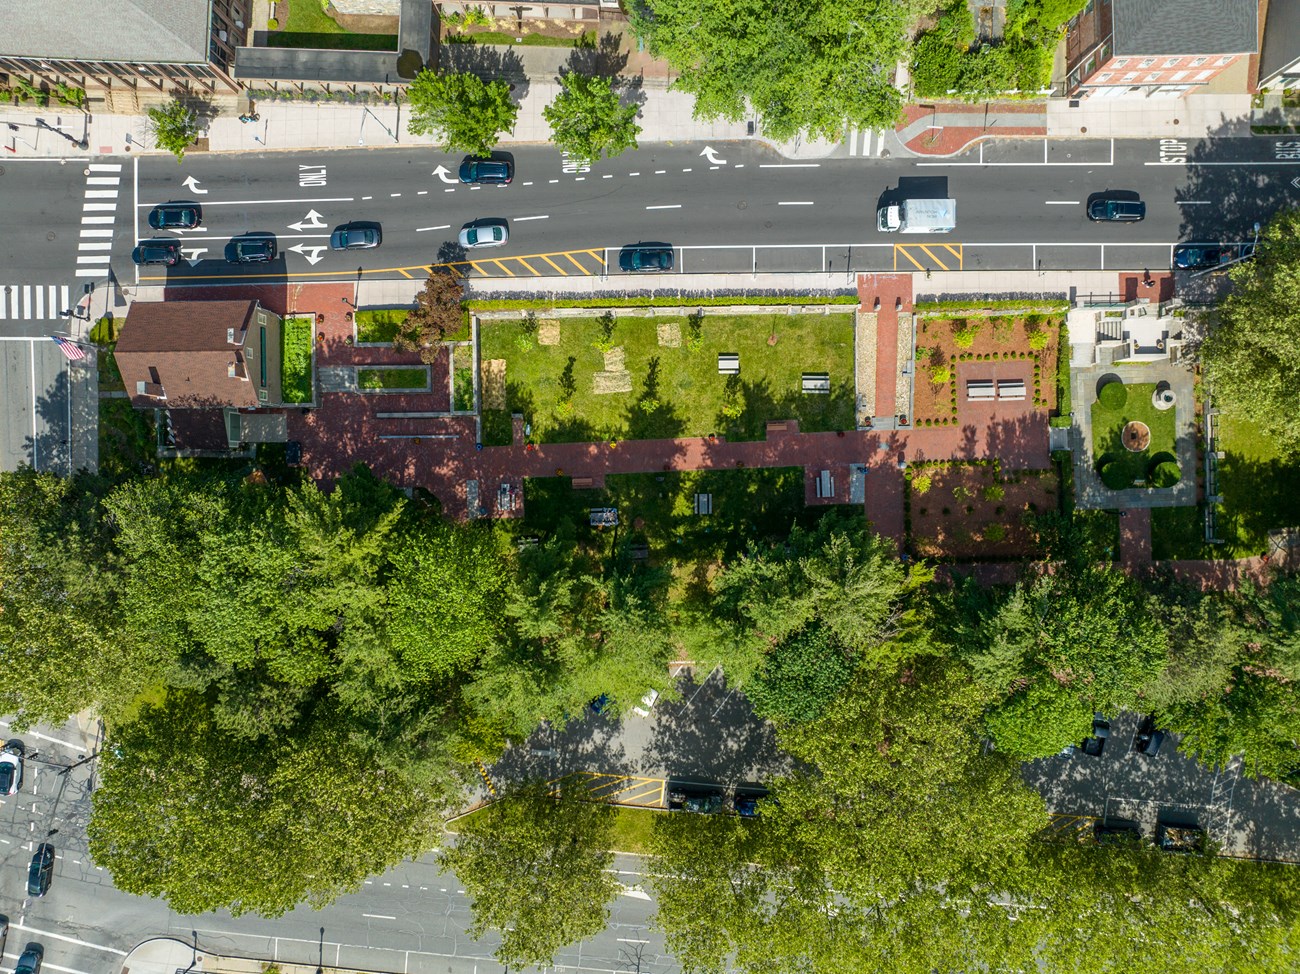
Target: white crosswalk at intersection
point(102, 185)
point(33, 302)
point(868, 142)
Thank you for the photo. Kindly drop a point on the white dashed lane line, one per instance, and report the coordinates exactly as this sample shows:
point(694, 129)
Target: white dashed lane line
point(795, 203)
point(521, 219)
point(445, 226)
point(666, 206)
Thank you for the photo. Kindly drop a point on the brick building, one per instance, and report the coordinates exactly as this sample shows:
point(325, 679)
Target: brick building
point(1157, 48)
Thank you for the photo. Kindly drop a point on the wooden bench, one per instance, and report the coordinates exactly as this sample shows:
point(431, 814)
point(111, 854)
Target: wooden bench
point(583, 483)
point(728, 363)
point(980, 389)
point(1011, 388)
point(778, 426)
point(816, 383)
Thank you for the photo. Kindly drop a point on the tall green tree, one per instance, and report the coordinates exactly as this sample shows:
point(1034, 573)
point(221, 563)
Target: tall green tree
point(1252, 351)
point(587, 121)
point(800, 67)
point(537, 871)
point(465, 112)
point(208, 821)
point(174, 127)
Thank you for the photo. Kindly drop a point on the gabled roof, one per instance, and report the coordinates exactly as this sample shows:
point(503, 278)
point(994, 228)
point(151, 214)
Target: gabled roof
point(1169, 27)
point(187, 354)
point(132, 31)
point(1281, 38)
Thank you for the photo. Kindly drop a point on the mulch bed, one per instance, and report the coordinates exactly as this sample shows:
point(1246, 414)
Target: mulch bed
point(971, 510)
point(999, 338)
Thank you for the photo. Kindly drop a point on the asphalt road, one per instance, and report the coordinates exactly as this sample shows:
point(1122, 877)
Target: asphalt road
point(732, 206)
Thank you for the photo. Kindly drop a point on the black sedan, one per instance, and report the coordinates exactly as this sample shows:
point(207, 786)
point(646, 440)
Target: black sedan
point(165, 251)
point(175, 216)
point(1095, 744)
point(1199, 257)
point(646, 258)
point(250, 249)
point(1116, 208)
point(30, 960)
point(41, 870)
point(356, 236)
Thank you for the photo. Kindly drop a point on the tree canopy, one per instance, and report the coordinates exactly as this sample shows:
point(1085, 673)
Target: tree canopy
point(587, 121)
point(799, 67)
point(467, 113)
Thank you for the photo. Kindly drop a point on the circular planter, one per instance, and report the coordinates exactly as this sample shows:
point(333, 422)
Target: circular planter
point(1136, 436)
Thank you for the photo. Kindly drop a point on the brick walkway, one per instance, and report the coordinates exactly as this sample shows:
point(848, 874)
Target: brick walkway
point(1135, 538)
point(882, 294)
point(946, 128)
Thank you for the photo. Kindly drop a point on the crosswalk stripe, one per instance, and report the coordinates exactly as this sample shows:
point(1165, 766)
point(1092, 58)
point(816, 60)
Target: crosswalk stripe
point(63, 293)
point(880, 142)
point(27, 302)
point(85, 220)
point(105, 167)
point(99, 208)
point(4, 302)
point(96, 233)
point(95, 246)
point(853, 141)
point(53, 302)
point(102, 194)
point(94, 258)
point(95, 272)
point(103, 180)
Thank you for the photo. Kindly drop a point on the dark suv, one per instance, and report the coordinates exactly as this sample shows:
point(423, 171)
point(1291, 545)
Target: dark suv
point(175, 216)
point(646, 258)
point(157, 252)
point(697, 799)
point(1109, 208)
point(41, 871)
point(499, 171)
point(250, 250)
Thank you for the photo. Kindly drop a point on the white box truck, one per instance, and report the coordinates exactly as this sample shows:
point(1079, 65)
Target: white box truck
point(918, 216)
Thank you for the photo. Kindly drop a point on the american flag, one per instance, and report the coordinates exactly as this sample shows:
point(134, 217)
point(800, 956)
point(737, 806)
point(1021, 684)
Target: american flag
point(71, 349)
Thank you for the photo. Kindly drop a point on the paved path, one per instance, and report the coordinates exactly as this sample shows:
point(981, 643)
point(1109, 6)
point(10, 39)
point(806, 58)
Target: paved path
point(1135, 538)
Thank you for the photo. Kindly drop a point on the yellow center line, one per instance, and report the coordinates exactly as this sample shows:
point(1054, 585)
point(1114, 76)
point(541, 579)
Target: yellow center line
point(931, 255)
point(503, 267)
point(555, 265)
point(902, 248)
point(528, 265)
point(575, 263)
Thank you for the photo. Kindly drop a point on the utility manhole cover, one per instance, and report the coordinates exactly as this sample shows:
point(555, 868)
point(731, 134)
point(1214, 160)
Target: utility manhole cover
point(51, 235)
point(742, 205)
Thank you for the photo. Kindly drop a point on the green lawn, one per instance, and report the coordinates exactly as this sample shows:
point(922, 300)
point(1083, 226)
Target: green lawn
point(1107, 425)
point(462, 378)
point(658, 510)
point(295, 361)
point(674, 391)
point(379, 326)
point(404, 379)
point(309, 17)
point(633, 828)
point(529, 40)
point(1259, 491)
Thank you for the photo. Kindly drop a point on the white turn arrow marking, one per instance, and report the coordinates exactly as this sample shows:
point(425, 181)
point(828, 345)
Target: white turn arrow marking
point(312, 253)
point(442, 173)
point(191, 254)
point(712, 153)
point(1296, 182)
point(311, 221)
point(192, 185)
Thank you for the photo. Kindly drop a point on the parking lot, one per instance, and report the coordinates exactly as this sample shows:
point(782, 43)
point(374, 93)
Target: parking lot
point(1254, 818)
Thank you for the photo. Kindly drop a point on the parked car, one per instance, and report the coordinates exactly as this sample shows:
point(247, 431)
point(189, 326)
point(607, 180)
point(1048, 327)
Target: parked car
point(1116, 208)
point(175, 216)
point(746, 801)
point(30, 960)
point(499, 171)
point(1148, 739)
point(163, 251)
point(1179, 838)
point(251, 249)
point(696, 799)
point(11, 768)
point(1115, 832)
point(41, 870)
point(599, 705)
point(481, 234)
point(1095, 744)
point(646, 258)
point(4, 933)
point(356, 236)
point(1197, 257)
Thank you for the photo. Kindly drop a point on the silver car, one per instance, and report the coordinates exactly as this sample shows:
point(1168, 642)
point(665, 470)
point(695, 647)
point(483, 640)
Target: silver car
point(476, 235)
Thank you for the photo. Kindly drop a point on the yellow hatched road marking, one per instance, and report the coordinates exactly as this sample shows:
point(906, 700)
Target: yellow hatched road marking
point(902, 248)
point(956, 252)
point(402, 271)
point(574, 261)
point(528, 265)
point(479, 269)
point(503, 267)
point(555, 265)
point(931, 255)
point(599, 255)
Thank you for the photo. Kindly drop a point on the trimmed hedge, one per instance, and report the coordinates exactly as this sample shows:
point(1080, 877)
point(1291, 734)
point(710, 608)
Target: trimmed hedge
point(1113, 473)
point(1113, 395)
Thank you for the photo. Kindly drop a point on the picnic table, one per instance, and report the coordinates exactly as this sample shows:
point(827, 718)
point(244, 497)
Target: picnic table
point(603, 517)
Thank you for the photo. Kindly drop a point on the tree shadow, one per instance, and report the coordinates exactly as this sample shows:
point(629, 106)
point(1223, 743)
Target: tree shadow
point(451, 252)
point(606, 59)
point(490, 62)
point(649, 418)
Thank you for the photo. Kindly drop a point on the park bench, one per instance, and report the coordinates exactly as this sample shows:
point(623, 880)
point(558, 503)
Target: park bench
point(980, 389)
point(816, 383)
point(728, 363)
point(1011, 388)
point(825, 484)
